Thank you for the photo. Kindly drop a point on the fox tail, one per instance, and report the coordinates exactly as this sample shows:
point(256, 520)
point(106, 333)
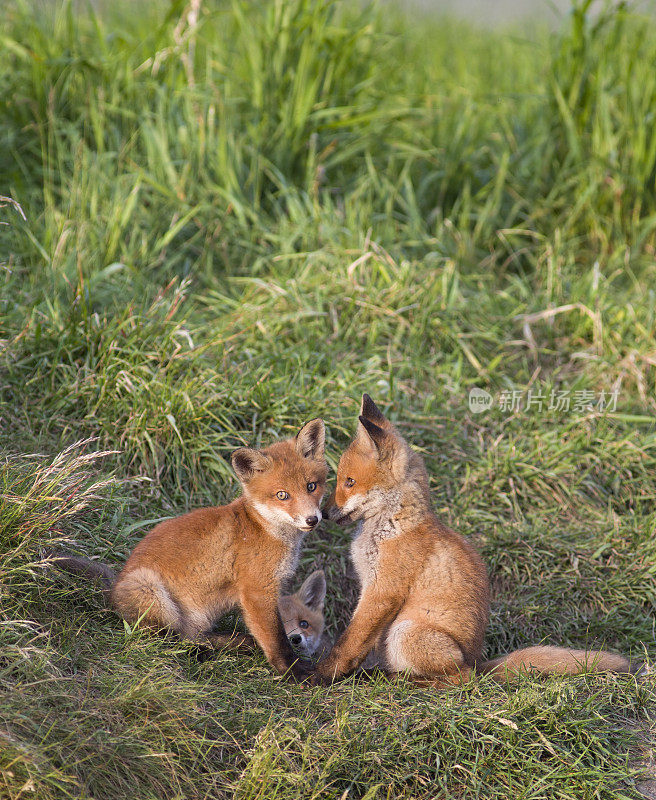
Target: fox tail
point(555, 661)
point(91, 570)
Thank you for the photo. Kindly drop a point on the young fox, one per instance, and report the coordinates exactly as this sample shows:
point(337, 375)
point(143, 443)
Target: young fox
point(302, 616)
point(189, 571)
point(424, 598)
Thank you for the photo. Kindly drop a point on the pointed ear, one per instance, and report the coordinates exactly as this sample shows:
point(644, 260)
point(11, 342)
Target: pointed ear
point(246, 462)
point(372, 434)
point(369, 410)
point(311, 439)
point(313, 590)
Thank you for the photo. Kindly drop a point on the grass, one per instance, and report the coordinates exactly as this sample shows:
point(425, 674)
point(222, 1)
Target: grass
point(230, 225)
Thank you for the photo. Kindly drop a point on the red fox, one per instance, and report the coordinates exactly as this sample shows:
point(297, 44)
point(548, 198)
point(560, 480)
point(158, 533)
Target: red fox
point(302, 616)
point(189, 571)
point(424, 597)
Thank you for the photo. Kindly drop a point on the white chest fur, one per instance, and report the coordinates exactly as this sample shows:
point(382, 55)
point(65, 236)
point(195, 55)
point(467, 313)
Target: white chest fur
point(288, 564)
point(365, 548)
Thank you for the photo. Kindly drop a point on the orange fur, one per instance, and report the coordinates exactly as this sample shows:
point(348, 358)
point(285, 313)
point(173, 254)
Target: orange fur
point(189, 571)
point(424, 599)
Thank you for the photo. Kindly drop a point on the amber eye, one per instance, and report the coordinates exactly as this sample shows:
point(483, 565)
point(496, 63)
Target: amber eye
point(311, 486)
point(349, 482)
point(303, 624)
point(282, 495)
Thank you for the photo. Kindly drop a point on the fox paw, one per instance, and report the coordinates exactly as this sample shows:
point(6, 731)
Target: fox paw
point(300, 671)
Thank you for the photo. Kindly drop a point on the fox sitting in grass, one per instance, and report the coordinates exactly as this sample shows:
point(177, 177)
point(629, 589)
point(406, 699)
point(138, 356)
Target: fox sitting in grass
point(191, 570)
point(424, 597)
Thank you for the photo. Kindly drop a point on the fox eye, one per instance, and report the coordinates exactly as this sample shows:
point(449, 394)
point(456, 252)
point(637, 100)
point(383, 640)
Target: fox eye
point(303, 624)
point(349, 482)
point(282, 495)
point(311, 486)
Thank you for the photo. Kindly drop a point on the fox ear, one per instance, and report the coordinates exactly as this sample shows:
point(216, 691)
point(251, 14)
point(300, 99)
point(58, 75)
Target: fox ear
point(372, 434)
point(369, 410)
point(246, 462)
point(313, 590)
point(311, 440)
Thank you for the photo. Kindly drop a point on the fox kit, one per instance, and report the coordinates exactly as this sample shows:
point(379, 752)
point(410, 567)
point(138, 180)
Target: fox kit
point(302, 616)
point(189, 571)
point(424, 598)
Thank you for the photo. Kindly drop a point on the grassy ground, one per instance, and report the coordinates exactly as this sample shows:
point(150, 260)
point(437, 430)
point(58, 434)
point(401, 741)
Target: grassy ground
point(236, 224)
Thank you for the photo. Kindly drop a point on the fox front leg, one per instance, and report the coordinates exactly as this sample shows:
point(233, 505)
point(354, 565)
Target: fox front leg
point(263, 620)
point(372, 614)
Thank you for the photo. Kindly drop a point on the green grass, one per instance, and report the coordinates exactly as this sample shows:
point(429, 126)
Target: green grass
point(234, 226)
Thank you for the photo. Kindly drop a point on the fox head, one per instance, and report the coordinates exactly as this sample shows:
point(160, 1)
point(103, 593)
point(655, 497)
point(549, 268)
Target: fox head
point(373, 466)
point(286, 481)
point(302, 614)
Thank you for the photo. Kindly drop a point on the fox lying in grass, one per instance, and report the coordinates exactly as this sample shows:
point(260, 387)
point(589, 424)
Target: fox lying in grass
point(191, 570)
point(424, 599)
point(302, 616)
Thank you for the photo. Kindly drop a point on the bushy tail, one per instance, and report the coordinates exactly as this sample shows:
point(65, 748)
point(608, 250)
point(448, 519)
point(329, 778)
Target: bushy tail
point(553, 661)
point(543, 660)
point(92, 570)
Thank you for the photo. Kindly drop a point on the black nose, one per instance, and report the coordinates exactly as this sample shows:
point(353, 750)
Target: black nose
point(311, 521)
point(296, 638)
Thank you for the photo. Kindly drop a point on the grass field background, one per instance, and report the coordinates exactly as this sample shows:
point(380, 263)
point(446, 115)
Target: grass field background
point(232, 223)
